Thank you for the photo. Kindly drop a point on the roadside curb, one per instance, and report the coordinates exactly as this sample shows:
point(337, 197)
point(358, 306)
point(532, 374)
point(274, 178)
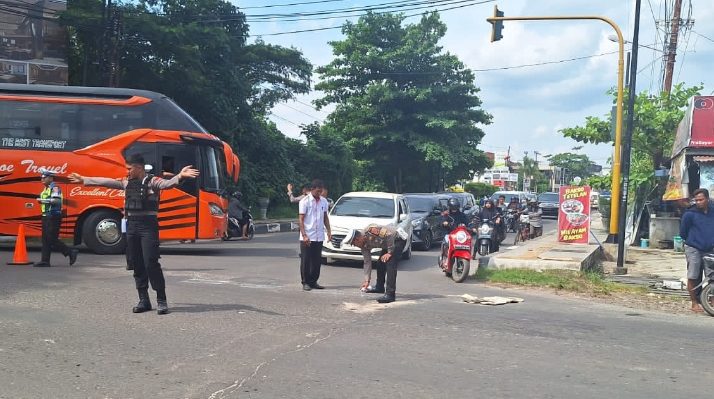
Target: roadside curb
point(276, 227)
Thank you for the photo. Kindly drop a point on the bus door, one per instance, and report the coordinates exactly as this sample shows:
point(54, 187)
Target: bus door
point(177, 206)
point(178, 216)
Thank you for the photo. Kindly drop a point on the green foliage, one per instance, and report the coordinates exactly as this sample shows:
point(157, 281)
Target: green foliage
point(600, 182)
point(407, 110)
point(325, 156)
point(208, 68)
point(655, 124)
point(576, 164)
point(529, 167)
point(480, 189)
point(567, 280)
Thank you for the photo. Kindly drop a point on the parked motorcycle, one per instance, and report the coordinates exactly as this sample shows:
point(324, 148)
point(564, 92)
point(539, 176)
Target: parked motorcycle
point(486, 237)
point(455, 257)
point(236, 230)
point(706, 297)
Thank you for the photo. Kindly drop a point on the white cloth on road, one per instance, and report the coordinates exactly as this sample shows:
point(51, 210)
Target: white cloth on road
point(491, 300)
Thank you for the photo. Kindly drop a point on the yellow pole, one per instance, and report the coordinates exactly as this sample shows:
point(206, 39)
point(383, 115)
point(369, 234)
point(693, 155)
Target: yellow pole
point(616, 158)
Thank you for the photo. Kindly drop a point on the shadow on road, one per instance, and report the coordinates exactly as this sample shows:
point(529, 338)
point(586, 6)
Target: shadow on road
point(230, 252)
point(228, 307)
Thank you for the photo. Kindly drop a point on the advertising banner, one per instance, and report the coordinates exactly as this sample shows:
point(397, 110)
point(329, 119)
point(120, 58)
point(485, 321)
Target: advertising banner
point(703, 122)
point(574, 214)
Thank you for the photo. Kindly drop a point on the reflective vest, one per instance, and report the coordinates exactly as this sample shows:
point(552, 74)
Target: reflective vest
point(50, 192)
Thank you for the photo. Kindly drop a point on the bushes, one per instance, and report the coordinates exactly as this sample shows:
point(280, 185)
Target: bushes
point(480, 189)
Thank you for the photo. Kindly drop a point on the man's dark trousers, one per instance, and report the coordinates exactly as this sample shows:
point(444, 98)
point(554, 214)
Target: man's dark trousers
point(389, 269)
point(50, 237)
point(142, 235)
point(310, 264)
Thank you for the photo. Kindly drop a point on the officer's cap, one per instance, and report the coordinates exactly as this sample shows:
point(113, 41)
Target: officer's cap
point(46, 173)
point(351, 236)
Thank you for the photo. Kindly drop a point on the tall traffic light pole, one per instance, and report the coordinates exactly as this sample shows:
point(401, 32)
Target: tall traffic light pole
point(497, 27)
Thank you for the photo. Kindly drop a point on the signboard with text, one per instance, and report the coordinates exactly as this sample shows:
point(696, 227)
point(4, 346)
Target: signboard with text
point(574, 214)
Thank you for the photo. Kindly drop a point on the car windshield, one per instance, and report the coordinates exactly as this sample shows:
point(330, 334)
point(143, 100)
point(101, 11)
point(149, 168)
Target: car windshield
point(508, 196)
point(548, 197)
point(364, 207)
point(420, 204)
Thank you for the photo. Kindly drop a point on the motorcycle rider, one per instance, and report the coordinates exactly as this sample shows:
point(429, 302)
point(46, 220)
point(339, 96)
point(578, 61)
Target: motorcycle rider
point(491, 212)
point(239, 212)
point(452, 218)
point(535, 218)
point(502, 203)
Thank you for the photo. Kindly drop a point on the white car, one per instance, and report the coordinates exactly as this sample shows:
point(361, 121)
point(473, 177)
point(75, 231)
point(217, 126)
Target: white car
point(356, 210)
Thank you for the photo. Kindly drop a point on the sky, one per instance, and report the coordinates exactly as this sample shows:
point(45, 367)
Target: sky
point(529, 104)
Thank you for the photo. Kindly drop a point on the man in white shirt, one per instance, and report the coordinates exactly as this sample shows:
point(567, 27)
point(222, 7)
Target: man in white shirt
point(314, 223)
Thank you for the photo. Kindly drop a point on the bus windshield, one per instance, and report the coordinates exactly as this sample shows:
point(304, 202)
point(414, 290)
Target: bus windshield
point(64, 126)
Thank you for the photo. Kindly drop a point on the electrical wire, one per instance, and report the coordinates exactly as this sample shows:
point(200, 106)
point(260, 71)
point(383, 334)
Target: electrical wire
point(342, 25)
point(705, 37)
point(304, 113)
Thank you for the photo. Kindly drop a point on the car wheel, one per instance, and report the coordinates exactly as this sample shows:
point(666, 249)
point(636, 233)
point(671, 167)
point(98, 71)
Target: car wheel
point(426, 241)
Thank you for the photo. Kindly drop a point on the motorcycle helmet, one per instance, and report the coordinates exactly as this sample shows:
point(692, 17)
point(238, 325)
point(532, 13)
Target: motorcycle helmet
point(453, 205)
point(237, 195)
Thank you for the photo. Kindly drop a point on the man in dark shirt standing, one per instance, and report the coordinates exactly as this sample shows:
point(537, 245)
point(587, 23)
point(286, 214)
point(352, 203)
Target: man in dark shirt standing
point(141, 203)
point(697, 230)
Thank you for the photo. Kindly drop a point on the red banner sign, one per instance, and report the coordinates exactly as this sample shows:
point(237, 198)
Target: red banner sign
point(703, 122)
point(574, 214)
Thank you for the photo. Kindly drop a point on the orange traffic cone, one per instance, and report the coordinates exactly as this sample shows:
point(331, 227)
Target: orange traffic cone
point(20, 257)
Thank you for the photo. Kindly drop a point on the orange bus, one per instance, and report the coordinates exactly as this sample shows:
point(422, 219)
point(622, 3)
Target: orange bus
point(92, 131)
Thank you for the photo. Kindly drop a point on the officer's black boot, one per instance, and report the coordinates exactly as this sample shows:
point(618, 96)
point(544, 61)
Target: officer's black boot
point(144, 304)
point(162, 307)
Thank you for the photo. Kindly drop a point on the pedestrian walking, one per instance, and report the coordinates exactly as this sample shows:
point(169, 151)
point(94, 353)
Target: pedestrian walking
point(391, 241)
point(51, 204)
point(314, 223)
point(141, 204)
point(697, 230)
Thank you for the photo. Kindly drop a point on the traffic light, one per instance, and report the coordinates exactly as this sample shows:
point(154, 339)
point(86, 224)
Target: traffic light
point(496, 25)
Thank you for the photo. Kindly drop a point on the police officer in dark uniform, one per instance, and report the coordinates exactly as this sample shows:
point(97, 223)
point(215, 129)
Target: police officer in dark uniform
point(141, 204)
point(51, 203)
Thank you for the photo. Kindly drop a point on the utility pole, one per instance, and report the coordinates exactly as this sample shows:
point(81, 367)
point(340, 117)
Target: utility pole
point(627, 145)
point(672, 46)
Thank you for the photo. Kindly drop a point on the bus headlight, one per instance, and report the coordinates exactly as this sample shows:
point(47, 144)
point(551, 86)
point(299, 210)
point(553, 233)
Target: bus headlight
point(215, 209)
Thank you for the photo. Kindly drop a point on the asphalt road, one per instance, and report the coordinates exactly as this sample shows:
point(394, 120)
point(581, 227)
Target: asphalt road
point(241, 327)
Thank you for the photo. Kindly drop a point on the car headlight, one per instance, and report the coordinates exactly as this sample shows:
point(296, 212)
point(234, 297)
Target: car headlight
point(215, 209)
point(417, 222)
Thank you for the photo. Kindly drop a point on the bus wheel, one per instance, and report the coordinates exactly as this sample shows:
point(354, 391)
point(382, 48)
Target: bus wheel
point(102, 233)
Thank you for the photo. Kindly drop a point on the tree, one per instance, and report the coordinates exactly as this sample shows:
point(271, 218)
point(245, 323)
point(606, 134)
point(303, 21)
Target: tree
point(196, 52)
point(576, 164)
point(325, 156)
point(529, 168)
point(408, 111)
point(480, 189)
point(655, 123)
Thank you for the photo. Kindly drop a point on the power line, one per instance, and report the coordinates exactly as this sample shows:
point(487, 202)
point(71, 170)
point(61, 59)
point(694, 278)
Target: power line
point(700, 35)
point(304, 113)
point(543, 63)
point(292, 4)
point(286, 120)
point(342, 25)
point(409, 5)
